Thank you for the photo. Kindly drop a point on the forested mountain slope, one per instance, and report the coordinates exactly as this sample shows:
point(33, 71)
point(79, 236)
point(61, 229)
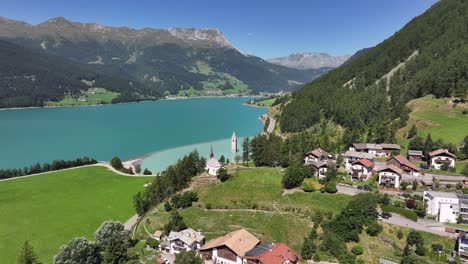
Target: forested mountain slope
point(30, 78)
point(166, 60)
point(352, 95)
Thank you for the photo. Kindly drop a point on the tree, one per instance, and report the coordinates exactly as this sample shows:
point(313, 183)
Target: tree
point(78, 251)
point(176, 223)
point(237, 158)
point(373, 228)
point(412, 132)
point(415, 185)
point(416, 143)
point(385, 199)
point(115, 251)
point(187, 257)
point(246, 150)
point(308, 248)
point(147, 172)
point(140, 203)
point(222, 159)
point(464, 148)
point(404, 185)
point(116, 163)
point(223, 174)
point(110, 230)
point(294, 176)
point(415, 239)
point(428, 144)
point(27, 255)
point(167, 206)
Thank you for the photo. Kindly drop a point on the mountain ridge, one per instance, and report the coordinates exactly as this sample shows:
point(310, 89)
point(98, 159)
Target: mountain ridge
point(310, 60)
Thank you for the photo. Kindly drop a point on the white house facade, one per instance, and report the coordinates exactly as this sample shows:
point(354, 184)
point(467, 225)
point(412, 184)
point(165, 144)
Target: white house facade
point(440, 157)
point(185, 240)
point(443, 205)
point(352, 156)
point(390, 176)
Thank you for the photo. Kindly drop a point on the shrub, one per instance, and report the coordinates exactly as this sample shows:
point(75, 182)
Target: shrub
point(357, 250)
point(373, 229)
point(401, 211)
point(410, 203)
point(152, 242)
point(400, 234)
point(331, 187)
point(223, 174)
point(167, 206)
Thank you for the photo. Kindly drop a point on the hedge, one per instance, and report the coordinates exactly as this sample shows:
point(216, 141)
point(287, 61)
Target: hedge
point(410, 214)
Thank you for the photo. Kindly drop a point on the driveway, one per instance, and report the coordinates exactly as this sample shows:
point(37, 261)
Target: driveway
point(399, 220)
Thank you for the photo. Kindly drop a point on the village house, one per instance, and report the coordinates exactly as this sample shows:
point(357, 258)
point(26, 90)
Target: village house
point(271, 253)
point(415, 155)
point(320, 160)
point(404, 164)
point(212, 164)
point(229, 249)
point(158, 235)
point(390, 176)
point(317, 155)
point(443, 205)
point(379, 150)
point(352, 156)
point(185, 240)
point(462, 249)
point(439, 157)
point(361, 170)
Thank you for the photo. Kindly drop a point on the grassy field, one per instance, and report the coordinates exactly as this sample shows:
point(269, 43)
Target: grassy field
point(50, 209)
point(252, 199)
point(438, 117)
point(93, 96)
point(266, 102)
point(387, 243)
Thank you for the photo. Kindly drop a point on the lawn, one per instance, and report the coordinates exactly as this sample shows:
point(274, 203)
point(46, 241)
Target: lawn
point(267, 102)
point(279, 218)
point(50, 209)
point(438, 117)
point(93, 96)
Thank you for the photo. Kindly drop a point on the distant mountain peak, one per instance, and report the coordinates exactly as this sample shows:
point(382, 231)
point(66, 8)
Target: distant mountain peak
point(310, 60)
point(204, 34)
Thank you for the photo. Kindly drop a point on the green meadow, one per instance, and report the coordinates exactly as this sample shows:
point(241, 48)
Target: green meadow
point(252, 199)
point(436, 116)
point(52, 208)
point(93, 96)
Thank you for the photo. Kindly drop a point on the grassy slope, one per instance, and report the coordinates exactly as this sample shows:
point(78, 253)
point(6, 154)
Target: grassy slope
point(266, 102)
point(437, 117)
point(261, 187)
point(101, 96)
point(51, 209)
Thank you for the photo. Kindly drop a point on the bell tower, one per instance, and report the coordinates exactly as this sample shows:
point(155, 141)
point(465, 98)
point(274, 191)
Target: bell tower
point(234, 143)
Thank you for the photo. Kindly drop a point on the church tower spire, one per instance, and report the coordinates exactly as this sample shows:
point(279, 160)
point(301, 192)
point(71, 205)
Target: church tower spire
point(211, 152)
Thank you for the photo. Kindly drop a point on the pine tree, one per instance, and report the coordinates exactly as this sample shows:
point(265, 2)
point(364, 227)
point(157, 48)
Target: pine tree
point(245, 150)
point(428, 144)
point(27, 255)
point(412, 132)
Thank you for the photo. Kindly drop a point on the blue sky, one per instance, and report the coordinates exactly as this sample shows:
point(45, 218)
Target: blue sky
point(264, 28)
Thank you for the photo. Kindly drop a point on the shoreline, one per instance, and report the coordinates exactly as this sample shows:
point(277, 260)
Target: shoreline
point(135, 102)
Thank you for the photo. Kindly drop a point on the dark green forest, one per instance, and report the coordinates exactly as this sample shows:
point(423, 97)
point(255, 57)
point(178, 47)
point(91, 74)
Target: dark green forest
point(356, 96)
point(30, 78)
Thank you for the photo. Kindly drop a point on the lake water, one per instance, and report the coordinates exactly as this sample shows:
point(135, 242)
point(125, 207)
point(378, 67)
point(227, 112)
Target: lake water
point(164, 129)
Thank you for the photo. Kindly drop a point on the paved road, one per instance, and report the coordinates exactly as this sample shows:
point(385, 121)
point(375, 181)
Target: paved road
point(399, 220)
point(131, 222)
point(271, 126)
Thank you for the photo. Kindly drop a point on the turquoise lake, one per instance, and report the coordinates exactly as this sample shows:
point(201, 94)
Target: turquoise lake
point(163, 131)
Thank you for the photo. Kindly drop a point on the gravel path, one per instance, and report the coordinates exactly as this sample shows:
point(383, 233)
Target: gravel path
point(399, 220)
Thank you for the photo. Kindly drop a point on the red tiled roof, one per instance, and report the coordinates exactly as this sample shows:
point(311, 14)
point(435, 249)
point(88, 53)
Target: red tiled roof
point(403, 161)
point(367, 163)
point(278, 254)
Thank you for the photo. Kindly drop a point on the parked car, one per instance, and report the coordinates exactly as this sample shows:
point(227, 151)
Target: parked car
point(386, 215)
point(364, 188)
